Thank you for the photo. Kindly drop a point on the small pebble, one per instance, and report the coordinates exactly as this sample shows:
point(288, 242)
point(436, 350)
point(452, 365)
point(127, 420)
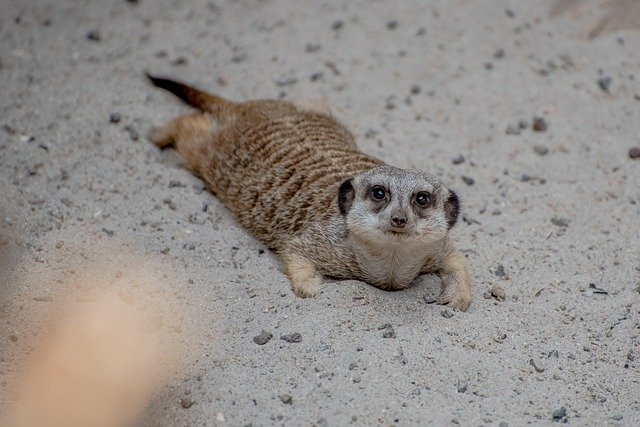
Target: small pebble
point(286, 399)
point(498, 292)
point(539, 124)
point(93, 35)
point(108, 232)
point(316, 76)
point(512, 130)
point(186, 403)
point(499, 54)
point(560, 222)
point(392, 24)
point(285, 81)
point(114, 118)
point(499, 271)
point(560, 414)
point(312, 47)
point(337, 25)
point(540, 150)
point(634, 153)
point(239, 57)
point(133, 134)
point(462, 386)
point(468, 180)
point(459, 159)
point(617, 417)
point(523, 123)
point(536, 365)
point(388, 331)
point(605, 83)
point(446, 313)
point(263, 338)
point(181, 60)
point(13, 338)
point(415, 89)
point(291, 338)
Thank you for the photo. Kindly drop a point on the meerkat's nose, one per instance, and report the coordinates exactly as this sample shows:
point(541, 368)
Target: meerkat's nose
point(398, 220)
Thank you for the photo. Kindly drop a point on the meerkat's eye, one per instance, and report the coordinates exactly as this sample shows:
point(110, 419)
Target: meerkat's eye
point(378, 193)
point(422, 198)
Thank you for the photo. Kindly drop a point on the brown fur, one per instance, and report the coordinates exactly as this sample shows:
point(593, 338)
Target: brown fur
point(278, 169)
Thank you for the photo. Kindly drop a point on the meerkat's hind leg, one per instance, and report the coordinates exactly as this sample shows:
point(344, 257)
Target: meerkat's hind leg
point(456, 285)
point(192, 135)
point(165, 135)
point(305, 280)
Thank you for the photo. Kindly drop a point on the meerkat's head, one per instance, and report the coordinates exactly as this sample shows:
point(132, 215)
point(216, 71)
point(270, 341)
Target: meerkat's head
point(388, 203)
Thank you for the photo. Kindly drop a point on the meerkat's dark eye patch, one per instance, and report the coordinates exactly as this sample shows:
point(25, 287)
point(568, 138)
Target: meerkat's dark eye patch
point(452, 209)
point(346, 194)
point(378, 193)
point(423, 198)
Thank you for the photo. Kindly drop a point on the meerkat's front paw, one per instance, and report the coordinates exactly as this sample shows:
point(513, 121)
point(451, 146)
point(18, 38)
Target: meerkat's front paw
point(456, 294)
point(305, 281)
point(456, 286)
point(307, 288)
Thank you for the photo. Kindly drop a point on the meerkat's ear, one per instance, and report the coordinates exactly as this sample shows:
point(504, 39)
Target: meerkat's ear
point(346, 194)
point(452, 208)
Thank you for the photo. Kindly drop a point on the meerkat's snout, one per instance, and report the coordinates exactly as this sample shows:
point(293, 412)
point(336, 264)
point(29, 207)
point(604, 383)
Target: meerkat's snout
point(398, 219)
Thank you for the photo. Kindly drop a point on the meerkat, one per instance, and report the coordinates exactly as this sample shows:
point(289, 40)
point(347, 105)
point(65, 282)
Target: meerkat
point(296, 179)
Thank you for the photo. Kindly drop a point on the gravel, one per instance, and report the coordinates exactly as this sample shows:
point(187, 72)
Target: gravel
point(59, 89)
point(292, 337)
point(540, 150)
point(539, 124)
point(263, 338)
point(468, 180)
point(605, 83)
point(559, 414)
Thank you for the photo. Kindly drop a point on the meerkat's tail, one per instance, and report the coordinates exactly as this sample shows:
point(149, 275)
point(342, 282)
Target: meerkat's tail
point(192, 96)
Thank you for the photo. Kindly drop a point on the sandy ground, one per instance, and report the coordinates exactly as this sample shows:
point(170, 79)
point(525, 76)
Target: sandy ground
point(551, 216)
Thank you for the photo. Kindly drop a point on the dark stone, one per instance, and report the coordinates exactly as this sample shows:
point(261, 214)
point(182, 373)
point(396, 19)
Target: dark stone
point(181, 60)
point(560, 222)
point(539, 124)
point(560, 414)
point(93, 35)
point(263, 338)
point(458, 159)
point(312, 47)
point(186, 403)
point(291, 338)
point(605, 83)
point(541, 150)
